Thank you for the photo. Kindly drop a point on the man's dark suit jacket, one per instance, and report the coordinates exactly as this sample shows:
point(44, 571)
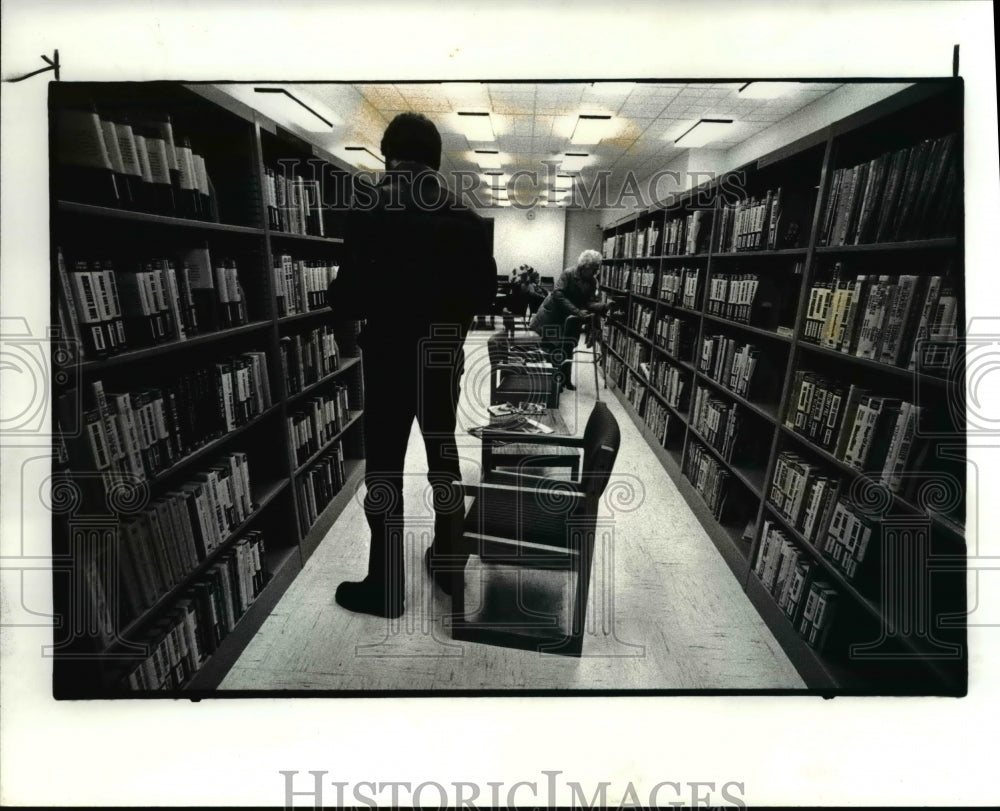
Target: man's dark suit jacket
point(413, 258)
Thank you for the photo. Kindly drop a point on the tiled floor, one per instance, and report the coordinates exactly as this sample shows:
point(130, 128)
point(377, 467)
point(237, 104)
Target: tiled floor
point(665, 610)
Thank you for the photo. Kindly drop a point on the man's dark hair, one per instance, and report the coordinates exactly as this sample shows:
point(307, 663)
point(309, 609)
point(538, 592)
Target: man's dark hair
point(412, 137)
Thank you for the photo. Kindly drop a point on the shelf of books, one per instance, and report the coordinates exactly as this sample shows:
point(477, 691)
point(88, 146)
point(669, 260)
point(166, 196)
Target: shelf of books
point(790, 345)
point(208, 415)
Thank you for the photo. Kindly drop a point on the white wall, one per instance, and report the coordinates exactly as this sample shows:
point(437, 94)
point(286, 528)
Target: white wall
point(583, 231)
point(518, 240)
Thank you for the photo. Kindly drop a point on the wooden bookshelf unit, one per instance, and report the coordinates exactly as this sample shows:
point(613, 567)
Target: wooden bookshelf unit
point(185, 401)
point(871, 601)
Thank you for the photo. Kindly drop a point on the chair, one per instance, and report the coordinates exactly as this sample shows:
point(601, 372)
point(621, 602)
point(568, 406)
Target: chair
point(520, 371)
point(536, 523)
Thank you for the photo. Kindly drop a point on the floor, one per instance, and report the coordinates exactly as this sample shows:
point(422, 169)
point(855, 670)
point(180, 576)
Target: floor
point(666, 613)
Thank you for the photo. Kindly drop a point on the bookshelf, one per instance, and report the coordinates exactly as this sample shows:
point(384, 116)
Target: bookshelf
point(181, 512)
point(757, 271)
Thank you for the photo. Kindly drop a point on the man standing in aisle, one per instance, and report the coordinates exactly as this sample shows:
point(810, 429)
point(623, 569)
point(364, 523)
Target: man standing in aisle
point(417, 268)
point(575, 294)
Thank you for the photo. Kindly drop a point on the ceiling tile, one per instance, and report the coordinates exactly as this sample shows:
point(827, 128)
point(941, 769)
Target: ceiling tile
point(534, 122)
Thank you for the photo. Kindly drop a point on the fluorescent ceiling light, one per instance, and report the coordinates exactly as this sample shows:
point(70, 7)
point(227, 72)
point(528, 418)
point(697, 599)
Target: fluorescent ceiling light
point(488, 158)
point(590, 129)
point(476, 126)
point(767, 90)
point(282, 106)
point(573, 161)
point(705, 131)
point(364, 158)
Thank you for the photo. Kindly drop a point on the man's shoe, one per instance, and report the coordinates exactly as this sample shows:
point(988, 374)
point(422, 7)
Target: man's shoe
point(365, 598)
point(441, 579)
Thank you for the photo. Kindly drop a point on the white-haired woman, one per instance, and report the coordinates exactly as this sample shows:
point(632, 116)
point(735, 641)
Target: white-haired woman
point(575, 294)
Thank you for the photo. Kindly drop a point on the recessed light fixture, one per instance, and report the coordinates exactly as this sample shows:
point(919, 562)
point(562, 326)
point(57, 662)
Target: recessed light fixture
point(767, 90)
point(573, 161)
point(297, 112)
point(476, 126)
point(488, 158)
point(590, 129)
point(704, 131)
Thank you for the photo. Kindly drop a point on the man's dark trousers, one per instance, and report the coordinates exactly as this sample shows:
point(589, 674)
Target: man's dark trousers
point(410, 379)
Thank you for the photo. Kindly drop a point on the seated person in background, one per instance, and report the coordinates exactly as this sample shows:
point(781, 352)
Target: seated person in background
point(531, 289)
point(575, 294)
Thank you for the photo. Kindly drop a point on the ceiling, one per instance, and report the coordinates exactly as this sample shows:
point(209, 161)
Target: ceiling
point(532, 122)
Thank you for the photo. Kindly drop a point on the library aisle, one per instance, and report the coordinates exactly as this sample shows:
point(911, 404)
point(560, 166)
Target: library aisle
point(665, 612)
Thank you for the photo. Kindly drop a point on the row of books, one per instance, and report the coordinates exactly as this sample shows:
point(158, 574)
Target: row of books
point(802, 495)
point(162, 545)
point(615, 276)
point(812, 503)
point(316, 487)
point(640, 317)
point(668, 380)
point(849, 537)
point(632, 351)
point(883, 318)
point(614, 368)
point(769, 223)
point(308, 357)
point(300, 284)
point(142, 431)
point(688, 235)
point(869, 432)
point(719, 423)
point(110, 306)
point(675, 335)
point(708, 476)
point(294, 204)
point(679, 287)
point(911, 193)
point(110, 158)
point(790, 576)
point(751, 298)
point(741, 368)
point(657, 418)
point(186, 636)
point(642, 281)
point(317, 422)
point(647, 241)
point(635, 390)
